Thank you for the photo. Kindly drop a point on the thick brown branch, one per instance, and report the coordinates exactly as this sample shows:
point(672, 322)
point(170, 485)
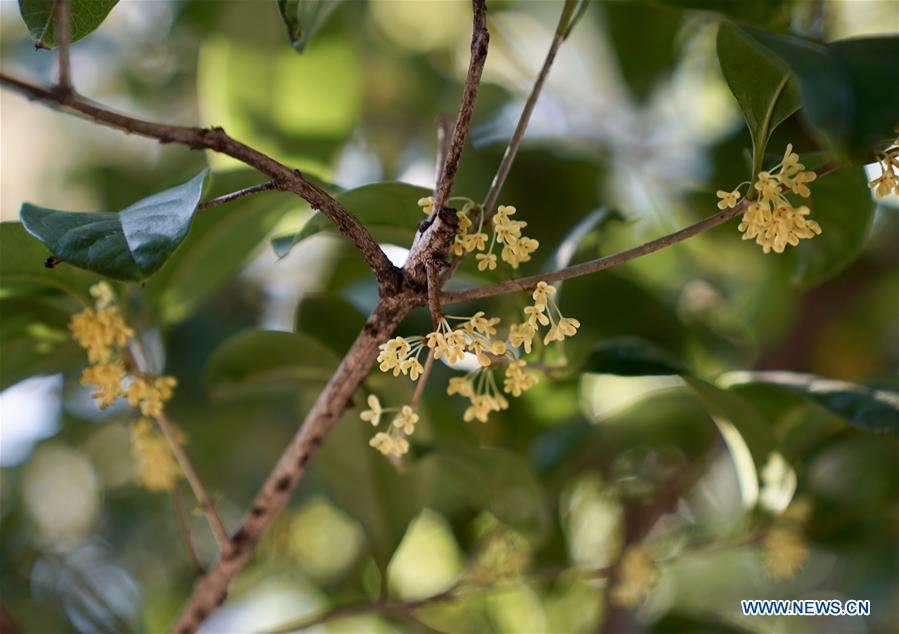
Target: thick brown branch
point(600, 264)
point(211, 589)
point(246, 191)
point(63, 39)
point(217, 140)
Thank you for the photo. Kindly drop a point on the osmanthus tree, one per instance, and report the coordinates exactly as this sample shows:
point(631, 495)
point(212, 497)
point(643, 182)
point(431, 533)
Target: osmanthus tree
point(464, 335)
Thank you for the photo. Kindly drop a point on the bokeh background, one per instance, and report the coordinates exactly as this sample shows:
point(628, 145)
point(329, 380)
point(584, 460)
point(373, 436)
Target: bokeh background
point(635, 131)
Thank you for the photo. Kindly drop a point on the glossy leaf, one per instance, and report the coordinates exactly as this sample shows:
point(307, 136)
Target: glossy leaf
point(330, 319)
point(128, 245)
point(849, 88)
point(40, 18)
point(303, 17)
point(627, 356)
point(759, 83)
point(220, 243)
point(22, 267)
point(388, 209)
point(266, 361)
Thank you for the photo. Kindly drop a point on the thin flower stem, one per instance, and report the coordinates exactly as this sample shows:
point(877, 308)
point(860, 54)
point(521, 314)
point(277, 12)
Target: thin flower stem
point(184, 531)
point(423, 379)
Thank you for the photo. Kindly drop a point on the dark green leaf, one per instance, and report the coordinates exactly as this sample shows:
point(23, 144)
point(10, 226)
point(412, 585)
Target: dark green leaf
point(849, 88)
point(842, 205)
point(35, 339)
point(22, 261)
point(303, 17)
point(627, 356)
point(572, 12)
point(368, 487)
point(488, 478)
point(759, 83)
point(40, 17)
point(129, 245)
point(388, 209)
point(330, 319)
point(266, 361)
point(755, 11)
point(220, 243)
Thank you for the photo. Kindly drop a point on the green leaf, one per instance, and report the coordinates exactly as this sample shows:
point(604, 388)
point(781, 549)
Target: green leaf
point(572, 12)
point(303, 18)
point(256, 362)
point(364, 484)
point(568, 247)
point(129, 245)
point(35, 339)
point(22, 266)
point(388, 209)
point(220, 243)
point(857, 405)
point(40, 18)
point(754, 11)
point(849, 88)
point(497, 480)
point(630, 356)
point(330, 319)
point(759, 83)
point(841, 203)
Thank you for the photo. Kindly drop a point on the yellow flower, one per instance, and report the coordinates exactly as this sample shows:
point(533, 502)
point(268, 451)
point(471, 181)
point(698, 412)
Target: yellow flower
point(637, 573)
point(389, 445)
point(150, 395)
point(486, 261)
point(478, 323)
point(406, 420)
point(523, 335)
point(98, 332)
point(392, 354)
point(542, 292)
point(459, 246)
point(426, 204)
point(156, 467)
point(568, 326)
point(503, 212)
point(728, 199)
point(373, 413)
point(412, 367)
point(460, 385)
point(464, 222)
point(103, 294)
point(475, 241)
point(536, 314)
point(784, 553)
point(517, 380)
point(767, 185)
point(797, 183)
point(107, 378)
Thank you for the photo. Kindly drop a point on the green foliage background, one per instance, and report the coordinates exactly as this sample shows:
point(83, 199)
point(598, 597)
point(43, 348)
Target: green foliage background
point(637, 120)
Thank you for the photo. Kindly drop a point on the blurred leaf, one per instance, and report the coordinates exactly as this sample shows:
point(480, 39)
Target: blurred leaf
point(330, 319)
point(568, 247)
point(489, 478)
point(842, 205)
point(755, 11)
point(35, 339)
point(849, 88)
point(572, 13)
point(265, 361)
point(387, 209)
point(220, 243)
point(857, 405)
point(40, 17)
point(303, 18)
point(627, 356)
point(759, 84)
point(646, 59)
point(128, 245)
point(22, 264)
point(365, 485)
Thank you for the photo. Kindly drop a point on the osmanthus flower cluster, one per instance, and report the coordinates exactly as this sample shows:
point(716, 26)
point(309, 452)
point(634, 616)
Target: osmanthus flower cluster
point(479, 337)
point(888, 181)
point(103, 332)
point(770, 217)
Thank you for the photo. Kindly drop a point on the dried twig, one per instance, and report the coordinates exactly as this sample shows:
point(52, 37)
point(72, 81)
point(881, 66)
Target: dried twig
point(246, 191)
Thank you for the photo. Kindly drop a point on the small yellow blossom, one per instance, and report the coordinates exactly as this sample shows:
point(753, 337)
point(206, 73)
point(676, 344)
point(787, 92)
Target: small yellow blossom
point(523, 335)
point(103, 295)
point(728, 199)
point(390, 445)
point(517, 380)
point(637, 573)
point(406, 420)
point(156, 467)
point(542, 292)
point(99, 331)
point(480, 324)
point(107, 378)
point(464, 222)
point(150, 394)
point(486, 261)
point(460, 385)
point(426, 204)
point(784, 553)
point(536, 315)
point(373, 413)
point(888, 181)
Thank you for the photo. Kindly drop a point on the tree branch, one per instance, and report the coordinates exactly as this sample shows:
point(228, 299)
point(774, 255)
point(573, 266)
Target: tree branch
point(600, 264)
point(240, 193)
point(216, 139)
point(63, 39)
point(211, 589)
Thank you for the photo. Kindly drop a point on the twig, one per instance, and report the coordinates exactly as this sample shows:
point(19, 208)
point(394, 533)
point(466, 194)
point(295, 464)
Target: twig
point(444, 130)
point(599, 264)
point(184, 531)
point(246, 191)
point(423, 379)
point(63, 39)
point(218, 140)
point(434, 292)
